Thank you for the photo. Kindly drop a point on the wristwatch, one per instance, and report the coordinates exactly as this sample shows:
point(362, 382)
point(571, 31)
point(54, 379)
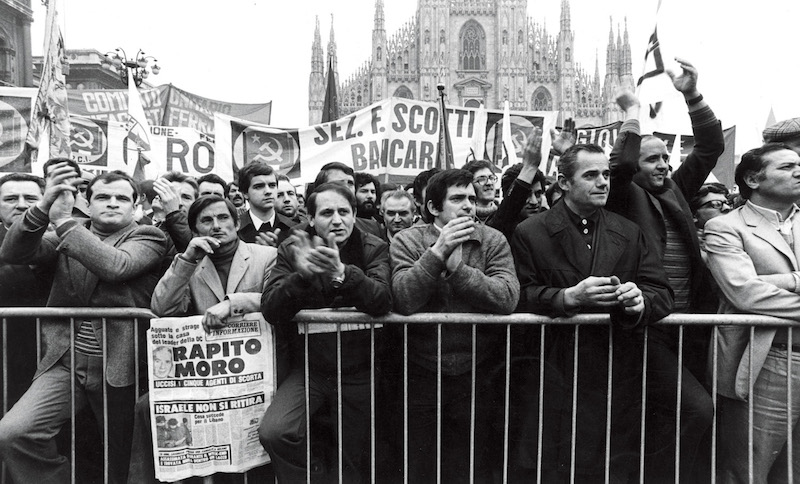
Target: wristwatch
point(337, 281)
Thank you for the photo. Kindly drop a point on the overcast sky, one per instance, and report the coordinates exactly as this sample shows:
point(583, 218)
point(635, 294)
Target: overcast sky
point(256, 51)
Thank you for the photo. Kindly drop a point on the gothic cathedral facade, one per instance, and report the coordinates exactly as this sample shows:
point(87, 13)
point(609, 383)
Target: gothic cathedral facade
point(484, 52)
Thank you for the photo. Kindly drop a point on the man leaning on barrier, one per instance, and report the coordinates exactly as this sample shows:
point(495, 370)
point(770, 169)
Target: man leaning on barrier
point(753, 253)
point(107, 261)
point(329, 264)
point(580, 258)
point(453, 265)
point(218, 276)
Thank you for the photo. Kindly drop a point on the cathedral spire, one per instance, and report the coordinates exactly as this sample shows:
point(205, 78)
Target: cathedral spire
point(379, 19)
point(565, 16)
point(317, 58)
point(332, 60)
point(316, 80)
point(626, 48)
point(611, 53)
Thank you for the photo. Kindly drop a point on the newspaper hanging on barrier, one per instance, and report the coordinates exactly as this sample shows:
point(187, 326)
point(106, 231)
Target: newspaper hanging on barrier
point(208, 393)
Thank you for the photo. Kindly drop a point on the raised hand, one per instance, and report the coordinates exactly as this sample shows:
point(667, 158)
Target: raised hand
point(686, 81)
point(563, 140)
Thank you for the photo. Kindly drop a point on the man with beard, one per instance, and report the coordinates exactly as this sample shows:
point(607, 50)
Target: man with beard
point(368, 192)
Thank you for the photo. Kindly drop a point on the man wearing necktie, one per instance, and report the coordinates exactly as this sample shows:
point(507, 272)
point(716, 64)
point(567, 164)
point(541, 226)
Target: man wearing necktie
point(262, 224)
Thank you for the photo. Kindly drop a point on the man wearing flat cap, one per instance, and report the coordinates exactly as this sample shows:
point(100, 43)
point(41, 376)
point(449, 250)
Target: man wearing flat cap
point(786, 132)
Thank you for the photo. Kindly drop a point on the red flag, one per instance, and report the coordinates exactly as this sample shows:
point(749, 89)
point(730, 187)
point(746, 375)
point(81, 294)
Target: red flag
point(51, 101)
point(330, 110)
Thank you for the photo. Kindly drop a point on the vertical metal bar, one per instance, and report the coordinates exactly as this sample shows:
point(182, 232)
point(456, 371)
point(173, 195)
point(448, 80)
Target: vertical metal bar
point(339, 397)
point(540, 429)
point(472, 415)
point(789, 426)
point(38, 340)
point(105, 401)
point(136, 355)
point(644, 405)
point(574, 428)
point(750, 473)
point(5, 366)
point(405, 403)
point(72, 429)
point(609, 393)
point(372, 408)
point(307, 380)
point(678, 407)
point(714, 399)
point(439, 403)
point(507, 404)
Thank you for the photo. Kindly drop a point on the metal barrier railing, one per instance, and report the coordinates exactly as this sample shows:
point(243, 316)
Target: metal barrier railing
point(339, 317)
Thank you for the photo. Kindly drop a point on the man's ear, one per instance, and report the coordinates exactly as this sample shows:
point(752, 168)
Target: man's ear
point(431, 208)
point(751, 179)
point(563, 183)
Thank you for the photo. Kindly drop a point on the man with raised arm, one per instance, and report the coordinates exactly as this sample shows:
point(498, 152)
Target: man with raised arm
point(642, 191)
point(106, 261)
point(453, 265)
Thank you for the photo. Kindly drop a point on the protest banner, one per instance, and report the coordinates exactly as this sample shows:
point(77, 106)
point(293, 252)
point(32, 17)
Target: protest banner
point(164, 106)
point(392, 137)
point(208, 393)
point(16, 105)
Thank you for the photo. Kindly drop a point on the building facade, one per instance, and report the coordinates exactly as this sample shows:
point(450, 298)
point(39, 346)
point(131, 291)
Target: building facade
point(16, 17)
point(484, 52)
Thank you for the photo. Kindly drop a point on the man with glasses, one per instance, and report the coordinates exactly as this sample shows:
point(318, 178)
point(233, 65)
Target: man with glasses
point(483, 179)
point(711, 201)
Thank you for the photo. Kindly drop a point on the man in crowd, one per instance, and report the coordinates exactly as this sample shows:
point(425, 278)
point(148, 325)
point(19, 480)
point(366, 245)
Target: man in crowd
point(235, 196)
point(709, 202)
point(107, 261)
point(211, 184)
point(397, 208)
point(218, 276)
point(20, 284)
point(454, 264)
point(419, 185)
point(175, 191)
point(80, 208)
point(330, 264)
point(368, 192)
point(287, 200)
point(642, 191)
point(483, 180)
point(339, 172)
point(753, 255)
point(578, 257)
point(786, 132)
point(262, 224)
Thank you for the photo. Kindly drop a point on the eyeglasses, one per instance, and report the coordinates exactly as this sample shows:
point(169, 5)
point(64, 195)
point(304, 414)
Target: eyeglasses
point(482, 180)
point(715, 204)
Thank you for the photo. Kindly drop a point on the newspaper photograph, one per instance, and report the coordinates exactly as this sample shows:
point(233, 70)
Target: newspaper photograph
point(208, 393)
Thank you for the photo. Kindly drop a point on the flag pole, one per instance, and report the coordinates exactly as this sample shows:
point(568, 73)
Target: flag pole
point(446, 147)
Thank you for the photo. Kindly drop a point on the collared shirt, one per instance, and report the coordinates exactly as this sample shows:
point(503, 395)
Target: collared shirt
point(257, 222)
point(586, 226)
point(784, 227)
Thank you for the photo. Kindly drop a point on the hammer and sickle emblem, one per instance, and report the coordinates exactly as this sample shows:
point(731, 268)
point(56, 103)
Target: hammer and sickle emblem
point(82, 138)
point(274, 154)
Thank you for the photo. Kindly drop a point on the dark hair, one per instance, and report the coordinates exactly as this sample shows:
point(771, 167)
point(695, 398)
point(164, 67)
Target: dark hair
point(567, 161)
point(228, 187)
point(311, 201)
point(474, 165)
point(23, 177)
point(362, 179)
point(704, 190)
point(202, 203)
point(551, 192)
point(176, 176)
point(322, 176)
point(440, 182)
point(212, 178)
point(146, 187)
point(420, 182)
point(251, 170)
point(512, 173)
point(110, 177)
point(281, 178)
point(753, 161)
point(52, 161)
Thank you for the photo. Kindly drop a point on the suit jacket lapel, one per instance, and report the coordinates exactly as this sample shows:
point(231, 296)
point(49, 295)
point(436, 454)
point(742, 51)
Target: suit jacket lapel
point(208, 274)
point(238, 267)
point(766, 231)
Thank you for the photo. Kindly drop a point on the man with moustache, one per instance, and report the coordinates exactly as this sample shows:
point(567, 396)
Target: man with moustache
point(106, 261)
point(233, 194)
point(577, 258)
point(368, 192)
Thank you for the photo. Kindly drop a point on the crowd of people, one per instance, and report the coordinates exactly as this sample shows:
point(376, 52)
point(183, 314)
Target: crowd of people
point(622, 234)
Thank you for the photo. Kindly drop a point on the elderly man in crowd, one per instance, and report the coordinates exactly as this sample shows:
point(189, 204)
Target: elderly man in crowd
point(454, 264)
point(753, 253)
point(330, 264)
point(106, 261)
point(397, 208)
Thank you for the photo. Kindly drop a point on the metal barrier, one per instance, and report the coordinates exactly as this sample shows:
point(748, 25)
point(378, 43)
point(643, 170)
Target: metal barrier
point(339, 317)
